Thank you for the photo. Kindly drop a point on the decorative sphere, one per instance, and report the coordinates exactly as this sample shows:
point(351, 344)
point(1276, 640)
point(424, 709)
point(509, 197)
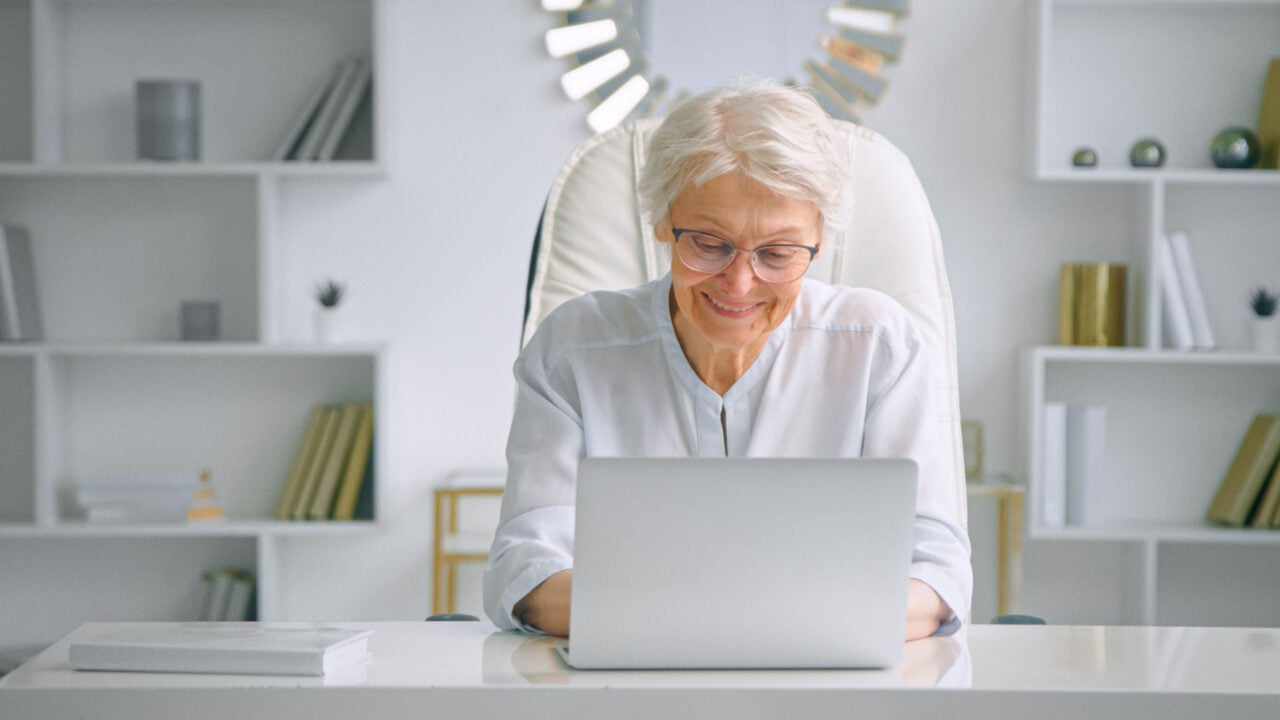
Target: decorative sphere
point(1146, 153)
point(1084, 157)
point(1235, 147)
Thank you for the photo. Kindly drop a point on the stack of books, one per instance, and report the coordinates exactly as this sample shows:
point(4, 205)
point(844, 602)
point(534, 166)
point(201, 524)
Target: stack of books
point(1249, 494)
point(330, 476)
point(136, 498)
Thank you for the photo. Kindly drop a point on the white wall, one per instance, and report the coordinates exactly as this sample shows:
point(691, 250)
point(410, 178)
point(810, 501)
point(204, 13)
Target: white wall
point(436, 255)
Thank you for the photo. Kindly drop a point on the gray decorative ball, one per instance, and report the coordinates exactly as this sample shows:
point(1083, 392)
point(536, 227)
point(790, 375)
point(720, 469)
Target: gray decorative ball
point(1084, 157)
point(1147, 153)
point(1235, 147)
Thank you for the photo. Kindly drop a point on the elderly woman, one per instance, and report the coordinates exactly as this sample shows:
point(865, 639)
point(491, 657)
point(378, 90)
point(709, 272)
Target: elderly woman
point(734, 353)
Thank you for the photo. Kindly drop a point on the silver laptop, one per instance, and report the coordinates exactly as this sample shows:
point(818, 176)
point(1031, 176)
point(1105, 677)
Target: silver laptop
point(741, 563)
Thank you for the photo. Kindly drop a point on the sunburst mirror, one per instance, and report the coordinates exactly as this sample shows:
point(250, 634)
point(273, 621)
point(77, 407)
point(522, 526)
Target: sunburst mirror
point(619, 51)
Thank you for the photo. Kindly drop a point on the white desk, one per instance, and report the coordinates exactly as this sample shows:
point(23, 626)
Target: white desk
point(462, 670)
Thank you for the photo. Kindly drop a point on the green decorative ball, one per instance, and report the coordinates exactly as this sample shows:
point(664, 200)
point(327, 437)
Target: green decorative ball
point(1146, 153)
point(1084, 157)
point(1235, 147)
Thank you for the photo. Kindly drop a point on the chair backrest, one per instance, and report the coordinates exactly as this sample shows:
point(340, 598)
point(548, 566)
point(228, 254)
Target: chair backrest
point(593, 236)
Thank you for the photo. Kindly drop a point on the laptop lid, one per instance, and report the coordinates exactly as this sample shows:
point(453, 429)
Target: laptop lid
point(741, 563)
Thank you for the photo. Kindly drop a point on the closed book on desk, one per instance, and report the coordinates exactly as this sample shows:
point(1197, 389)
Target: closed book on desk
point(223, 648)
point(1253, 462)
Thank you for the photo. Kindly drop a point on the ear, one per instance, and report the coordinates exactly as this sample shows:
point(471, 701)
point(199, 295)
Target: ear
point(662, 231)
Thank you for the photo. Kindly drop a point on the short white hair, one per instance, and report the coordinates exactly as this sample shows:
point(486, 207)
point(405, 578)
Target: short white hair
point(776, 135)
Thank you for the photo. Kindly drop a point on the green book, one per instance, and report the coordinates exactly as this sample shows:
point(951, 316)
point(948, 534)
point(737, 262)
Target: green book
point(1253, 462)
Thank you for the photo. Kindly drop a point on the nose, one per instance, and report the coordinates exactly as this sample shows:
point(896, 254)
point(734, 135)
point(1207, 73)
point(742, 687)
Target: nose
point(739, 278)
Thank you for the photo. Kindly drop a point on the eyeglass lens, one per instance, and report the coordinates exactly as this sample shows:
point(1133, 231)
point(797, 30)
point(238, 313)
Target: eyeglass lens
point(772, 263)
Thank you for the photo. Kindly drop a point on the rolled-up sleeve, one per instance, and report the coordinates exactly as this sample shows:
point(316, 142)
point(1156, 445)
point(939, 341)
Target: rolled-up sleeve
point(534, 539)
point(904, 422)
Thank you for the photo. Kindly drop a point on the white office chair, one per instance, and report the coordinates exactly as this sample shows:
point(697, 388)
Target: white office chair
point(592, 236)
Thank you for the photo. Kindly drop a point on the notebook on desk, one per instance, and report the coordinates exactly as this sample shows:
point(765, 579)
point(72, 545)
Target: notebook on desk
point(740, 563)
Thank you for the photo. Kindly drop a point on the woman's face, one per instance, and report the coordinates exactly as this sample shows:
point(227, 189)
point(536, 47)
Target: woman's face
point(734, 310)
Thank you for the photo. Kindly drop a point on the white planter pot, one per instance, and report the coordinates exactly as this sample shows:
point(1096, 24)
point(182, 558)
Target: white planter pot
point(1266, 334)
point(328, 324)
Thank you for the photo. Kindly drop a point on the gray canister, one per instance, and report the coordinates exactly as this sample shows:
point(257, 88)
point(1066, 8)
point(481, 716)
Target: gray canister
point(168, 119)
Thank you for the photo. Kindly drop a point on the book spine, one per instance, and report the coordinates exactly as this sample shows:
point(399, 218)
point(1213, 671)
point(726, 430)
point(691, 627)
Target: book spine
point(307, 490)
point(354, 476)
point(335, 463)
point(19, 300)
point(1176, 323)
point(1189, 281)
point(354, 92)
point(319, 128)
point(1253, 461)
point(1085, 464)
point(1053, 496)
point(301, 463)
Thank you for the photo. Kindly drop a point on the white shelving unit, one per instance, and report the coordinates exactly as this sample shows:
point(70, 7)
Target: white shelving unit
point(118, 245)
point(1106, 73)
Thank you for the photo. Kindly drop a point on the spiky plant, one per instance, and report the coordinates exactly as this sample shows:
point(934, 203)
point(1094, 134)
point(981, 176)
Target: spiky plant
point(1263, 301)
point(329, 293)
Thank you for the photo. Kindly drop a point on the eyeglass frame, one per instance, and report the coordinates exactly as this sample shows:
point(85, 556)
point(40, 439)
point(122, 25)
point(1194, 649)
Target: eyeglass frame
point(677, 232)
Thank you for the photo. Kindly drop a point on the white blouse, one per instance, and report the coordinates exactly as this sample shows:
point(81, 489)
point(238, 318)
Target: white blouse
point(604, 375)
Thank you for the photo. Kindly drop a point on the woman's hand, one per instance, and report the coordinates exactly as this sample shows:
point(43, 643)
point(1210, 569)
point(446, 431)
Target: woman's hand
point(546, 607)
point(925, 610)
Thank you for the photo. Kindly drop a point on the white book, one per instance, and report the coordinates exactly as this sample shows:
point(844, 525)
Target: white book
point(20, 317)
point(1189, 281)
point(217, 593)
point(354, 92)
point(292, 140)
point(1053, 472)
point(319, 127)
point(1175, 321)
point(1086, 463)
point(240, 598)
point(226, 648)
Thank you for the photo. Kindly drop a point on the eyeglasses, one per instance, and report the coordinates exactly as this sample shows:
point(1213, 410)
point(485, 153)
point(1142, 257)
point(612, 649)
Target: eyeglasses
point(705, 253)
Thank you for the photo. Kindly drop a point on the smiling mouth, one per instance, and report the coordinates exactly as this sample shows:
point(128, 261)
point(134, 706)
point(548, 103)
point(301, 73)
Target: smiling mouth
point(729, 309)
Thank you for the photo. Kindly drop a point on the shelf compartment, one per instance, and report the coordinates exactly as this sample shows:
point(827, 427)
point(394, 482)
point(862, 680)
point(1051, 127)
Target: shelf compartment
point(1173, 424)
point(240, 416)
point(88, 55)
point(104, 274)
point(131, 579)
point(1104, 68)
point(1218, 586)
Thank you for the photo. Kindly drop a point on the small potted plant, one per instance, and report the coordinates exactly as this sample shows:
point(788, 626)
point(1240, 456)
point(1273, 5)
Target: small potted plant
point(328, 294)
point(1266, 323)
